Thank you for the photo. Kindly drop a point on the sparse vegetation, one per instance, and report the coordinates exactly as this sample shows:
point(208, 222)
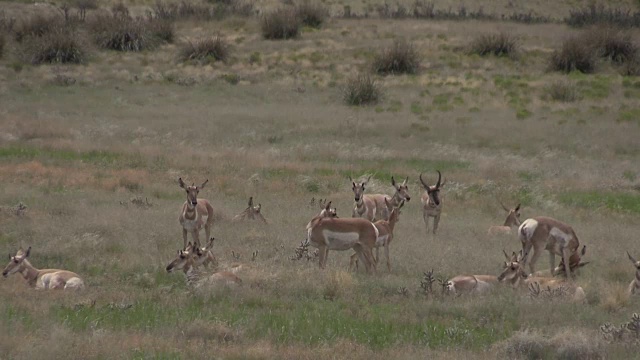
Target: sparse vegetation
point(123, 33)
point(206, 50)
point(312, 14)
point(600, 14)
point(362, 89)
point(2, 43)
point(562, 91)
point(399, 58)
point(58, 46)
point(575, 55)
point(283, 23)
point(502, 44)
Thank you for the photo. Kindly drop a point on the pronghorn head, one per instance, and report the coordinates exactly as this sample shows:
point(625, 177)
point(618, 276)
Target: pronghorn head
point(433, 191)
point(358, 188)
point(253, 210)
point(201, 255)
point(513, 215)
point(192, 192)
point(402, 190)
point(394, 212)
point(328, 211)
point(15, 262)
point(183, 259)
point(512, 268)
point(634, 261)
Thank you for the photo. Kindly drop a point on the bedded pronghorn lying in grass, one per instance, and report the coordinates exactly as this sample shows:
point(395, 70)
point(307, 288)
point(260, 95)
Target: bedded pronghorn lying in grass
point(515, 275)
point(544, 233)
point(196, 213)
point(472, 284)
point(204, 256)
point(512, 220)
point(634, 287)
point(431, 203)
point(251, 213)
point(41, 278)
point(186, 261)
point(328, 232)
point(385, 235)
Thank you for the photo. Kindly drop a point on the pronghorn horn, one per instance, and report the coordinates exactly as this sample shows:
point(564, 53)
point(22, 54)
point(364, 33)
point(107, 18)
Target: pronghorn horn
point(328, 207)
point(584, 250)
point(631, 258)
point(517, 207)
point(506, 255)
point(28, 252)
point(368, 178)
point(181, 183)
point(204, 183)
point(250, 201)
point(405, 181)
point(504, 207)
point(439, 178)
point(393, 182)
point(423, 183)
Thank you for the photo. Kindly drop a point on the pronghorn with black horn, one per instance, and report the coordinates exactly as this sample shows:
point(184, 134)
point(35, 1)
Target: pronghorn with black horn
point(330, 233)
point(251, 213)
point(512, 220)
point(41, 278)
point(634, 287)
point(515, 275)
point(186, 260)
point(385, 235)
point(544, 233)
point(431, 203)
point(365, 206)
point(204, 256)
point(193, 212)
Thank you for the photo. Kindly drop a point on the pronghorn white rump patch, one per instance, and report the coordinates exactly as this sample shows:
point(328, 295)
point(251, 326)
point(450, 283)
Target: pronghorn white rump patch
point(336, 240)
point(527, 229)
point(376, 230)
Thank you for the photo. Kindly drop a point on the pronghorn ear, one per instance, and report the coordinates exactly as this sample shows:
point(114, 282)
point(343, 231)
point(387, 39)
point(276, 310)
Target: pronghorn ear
point(404, 183)
point(203, 184)
point(631, 258)
point(26, 255)
point(584, 250)
point(328, 207)
point(181, 183)
point(517, 208)
point(393, 182)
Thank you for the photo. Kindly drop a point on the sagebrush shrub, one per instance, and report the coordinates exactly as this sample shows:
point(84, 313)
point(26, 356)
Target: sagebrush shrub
point(575, 54)
point(612, 43)
point(123, 33)
point(36, 26)
point(399, 58)
point(562, 91)
point(501, 44)
point(59, 46)
point(2, 43)
point(312, 14)
point(362, 89)
point(283, 23)
point(206, 50)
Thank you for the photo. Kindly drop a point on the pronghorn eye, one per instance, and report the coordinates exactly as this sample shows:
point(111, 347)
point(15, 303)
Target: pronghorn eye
point(15, 261)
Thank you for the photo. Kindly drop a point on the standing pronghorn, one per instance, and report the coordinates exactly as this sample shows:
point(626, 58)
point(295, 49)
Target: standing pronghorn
point(544, 233)
point(385, 235)
point(365, 206)
point(328, 233)
point(431, 203)
point(401, 194)
point(193, 211)
point(251, 213)
point(634, 287)
point(512, 220)
point(41, 278)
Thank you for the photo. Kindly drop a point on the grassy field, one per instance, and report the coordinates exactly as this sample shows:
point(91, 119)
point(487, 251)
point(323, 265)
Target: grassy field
point(80, 144)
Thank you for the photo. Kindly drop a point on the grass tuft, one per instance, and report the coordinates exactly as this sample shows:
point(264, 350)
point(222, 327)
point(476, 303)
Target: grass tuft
point(399, 58)
point(501, 44)
point(575, 54)
point(312, 14)
point(283, 23)
point(36, 26)
point(206, 50)
point(59, 46)
point(362, 89)
point(122, 33)
point(2, 44)
point(562, 91)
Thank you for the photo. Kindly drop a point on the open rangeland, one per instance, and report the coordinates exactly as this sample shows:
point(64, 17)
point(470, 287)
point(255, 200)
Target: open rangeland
point(91, 154)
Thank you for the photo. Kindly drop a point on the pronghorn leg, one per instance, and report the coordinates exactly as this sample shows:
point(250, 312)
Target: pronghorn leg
point(196, 237)
point(377, 254)
point(526, 249)
point(436, 220)
point(368, 254)
point(353, 262)
point(184, 238)
point(323, 254)
point(360, 250)
point(565, 258)
point(386, 253)
point(552, 262)
point(207, 230)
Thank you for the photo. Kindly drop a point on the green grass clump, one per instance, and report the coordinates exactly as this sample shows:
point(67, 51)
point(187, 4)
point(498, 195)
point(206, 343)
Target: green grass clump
point(619, 201)
point(280, 24)
point(362, 89)
point(501, 44)
point(399, 58)
point(206, 50)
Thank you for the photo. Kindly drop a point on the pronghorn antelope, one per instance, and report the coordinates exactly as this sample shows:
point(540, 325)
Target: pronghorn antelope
point(512, 220)
point(326, 233)
point(41, 278)
point(515, 275)
point(385, 235)
point(326, 212)
point(193, 211)
point(431, 203)
point(186, 261)
point(251, 213)
point(575, 263)
point(634, 287)
point(381, 211)
point(544, 233)
point(365, 206)
point(474, 284)
point(204, 256)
